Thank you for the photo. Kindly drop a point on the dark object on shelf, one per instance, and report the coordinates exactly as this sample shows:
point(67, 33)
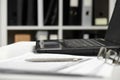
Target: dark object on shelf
point(50, 12)
point(22, 12)
point(12, 12)
point(100, 12)
point(79, 34)
point(72, 34)
point(72, 13)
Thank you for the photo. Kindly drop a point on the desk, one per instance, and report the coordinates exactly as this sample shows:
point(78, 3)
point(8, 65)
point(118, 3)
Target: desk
point(20, 48)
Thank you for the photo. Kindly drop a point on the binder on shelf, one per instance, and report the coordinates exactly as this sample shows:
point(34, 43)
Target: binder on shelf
point(100, 12)
point(22, 37)
point(31, 12)
point(87, 12)
point(42, 35)
point(66, 11)
point(50, 12)
point(19, 12)
point(75, 12)
point(12, 12)
point(22, 12)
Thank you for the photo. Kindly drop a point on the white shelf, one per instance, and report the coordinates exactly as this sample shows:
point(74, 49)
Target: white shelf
point(56, 28)
point(31, 28)
point(85, 28)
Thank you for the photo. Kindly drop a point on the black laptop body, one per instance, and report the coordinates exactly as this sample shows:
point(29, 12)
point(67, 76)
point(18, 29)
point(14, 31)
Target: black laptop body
point(88, 47)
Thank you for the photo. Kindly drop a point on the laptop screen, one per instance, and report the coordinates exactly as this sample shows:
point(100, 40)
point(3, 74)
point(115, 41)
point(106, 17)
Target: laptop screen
point(113, 32)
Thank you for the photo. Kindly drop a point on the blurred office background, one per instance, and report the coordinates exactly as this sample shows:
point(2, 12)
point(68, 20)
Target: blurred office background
point(31, 20)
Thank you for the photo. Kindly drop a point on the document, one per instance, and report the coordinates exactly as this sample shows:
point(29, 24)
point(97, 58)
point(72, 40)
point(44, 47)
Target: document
point(20, 63)
point(87, 67)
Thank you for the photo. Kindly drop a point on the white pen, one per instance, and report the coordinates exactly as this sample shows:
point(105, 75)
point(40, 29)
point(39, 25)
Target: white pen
point(53, 59)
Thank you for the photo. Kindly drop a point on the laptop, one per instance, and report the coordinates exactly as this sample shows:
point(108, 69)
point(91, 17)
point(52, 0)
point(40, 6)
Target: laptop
point(85, 47)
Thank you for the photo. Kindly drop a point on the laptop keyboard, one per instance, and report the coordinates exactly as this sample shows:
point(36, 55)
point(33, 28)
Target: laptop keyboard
point(76, 43)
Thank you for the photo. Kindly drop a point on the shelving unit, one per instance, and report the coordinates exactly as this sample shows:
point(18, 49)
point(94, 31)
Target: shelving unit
point(4, 28)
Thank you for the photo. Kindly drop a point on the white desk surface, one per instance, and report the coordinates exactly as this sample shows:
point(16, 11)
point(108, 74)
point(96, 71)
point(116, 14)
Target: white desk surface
point(20, 48)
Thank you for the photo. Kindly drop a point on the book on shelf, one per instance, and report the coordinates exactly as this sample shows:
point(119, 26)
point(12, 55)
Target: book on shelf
point(100, 12)
point(22, 37)
point(87, 12)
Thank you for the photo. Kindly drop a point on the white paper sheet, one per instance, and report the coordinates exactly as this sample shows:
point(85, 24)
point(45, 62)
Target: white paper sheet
point(91, 67)
point(20, 63)
point(88, 67)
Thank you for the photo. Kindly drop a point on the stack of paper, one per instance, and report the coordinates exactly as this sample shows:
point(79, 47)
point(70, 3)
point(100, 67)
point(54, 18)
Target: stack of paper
point(87, 66)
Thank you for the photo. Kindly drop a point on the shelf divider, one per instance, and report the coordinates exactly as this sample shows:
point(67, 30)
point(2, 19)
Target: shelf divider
point(60, 31)
point(40, 13)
